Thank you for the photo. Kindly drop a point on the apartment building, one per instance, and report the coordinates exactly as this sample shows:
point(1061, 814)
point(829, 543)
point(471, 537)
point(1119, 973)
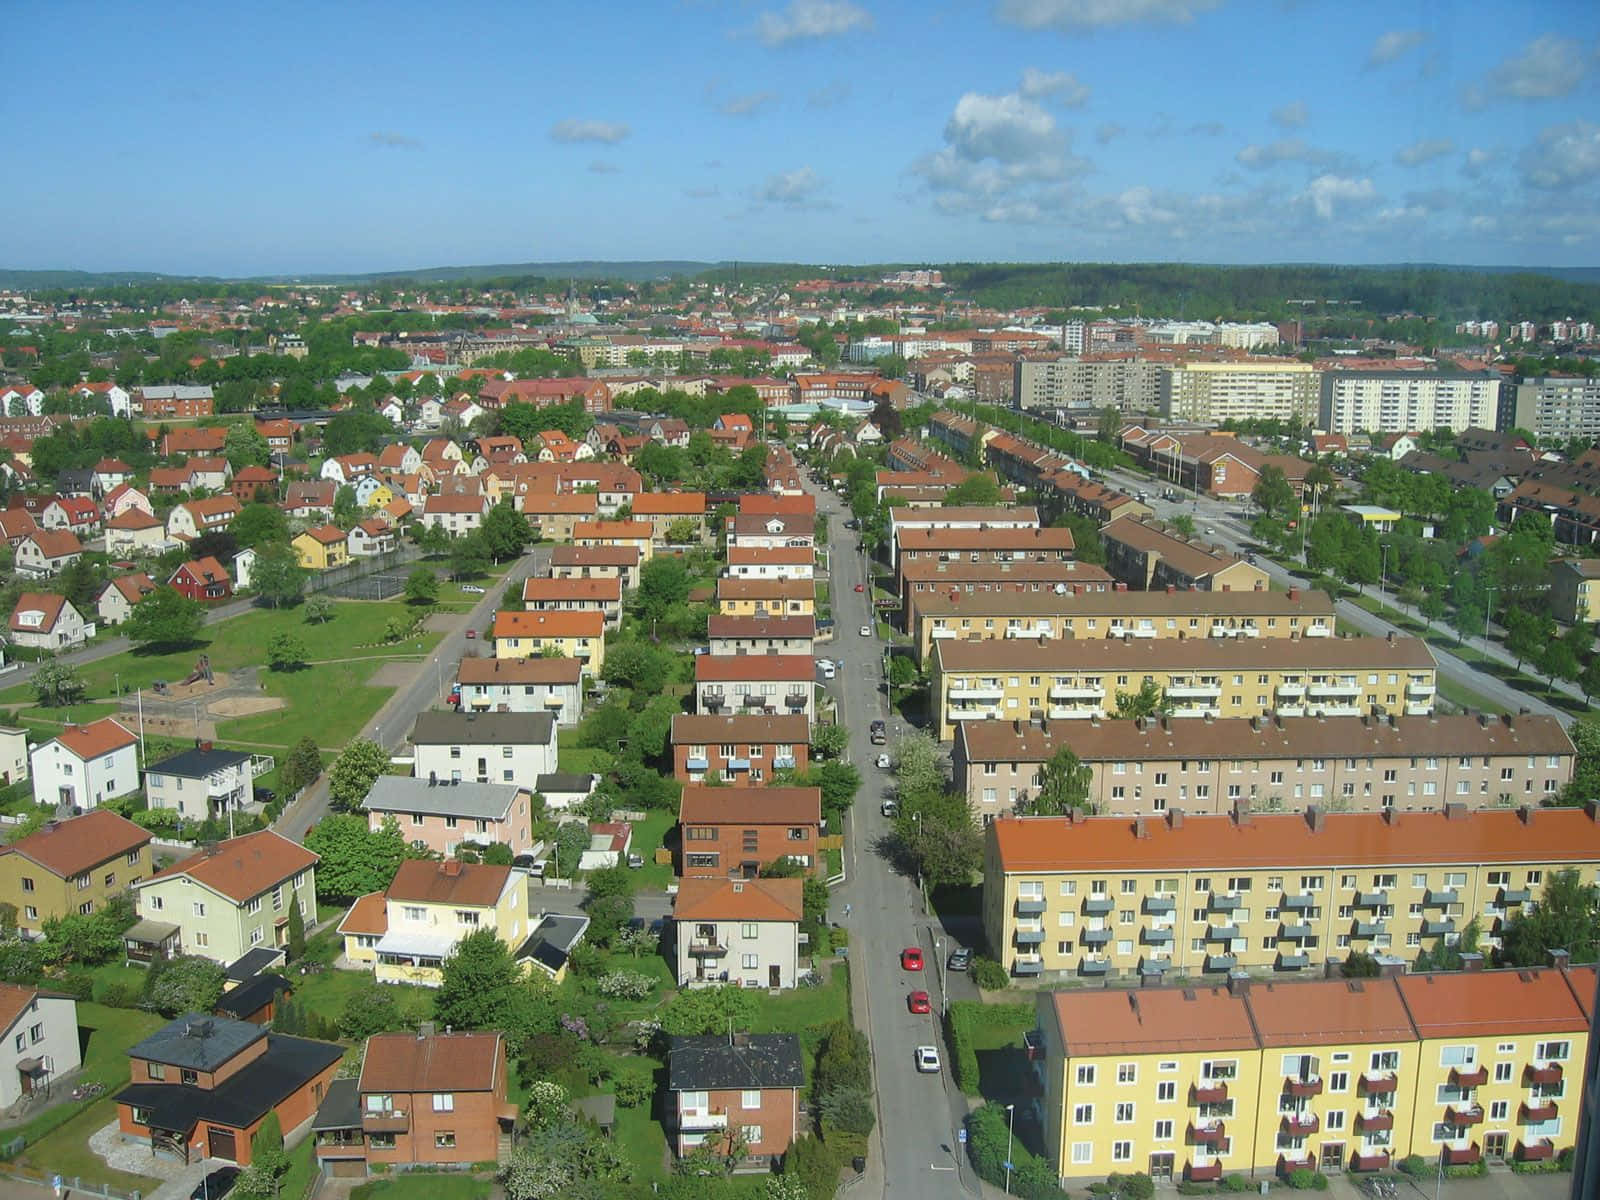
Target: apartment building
point(1251, 389)
point(1377, 401)
point(775, 562)
point(601, 595)
point(1090, 613)
point(1090, 381)
point(761, 635)
point(1575, 590)
point(579, 635)
point(1146, 554)
point(726, 747)
point(1101, 897)
point(733, 832)
point(755, 683)
point(636, 534)
point(73, 866)
point(922, 577)
point(552, 516)
point(524, 685)
point(488, 747)
point(739, 931)
point(744, 1082)
point(1147, 767)
point(663, 510)
point(975, 544)
point(1056, 679)
point(1260, 1078)
point(975, 519)
point(756, 597)
point(597, 562)
point(1554, 407)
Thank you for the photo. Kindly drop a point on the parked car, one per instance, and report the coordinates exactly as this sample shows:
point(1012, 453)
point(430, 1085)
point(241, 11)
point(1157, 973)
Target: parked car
point(265, 795)
point(927, 1059)
point(890, 808)
point(473, 588)
point(472, 633)
point(911, 958)
point(882, 762)
point(216, 1184)
point(827, 668)
point(960, 959)
point(861, 587)
point(917, 1002)
point(635, 862)
point(866, 631)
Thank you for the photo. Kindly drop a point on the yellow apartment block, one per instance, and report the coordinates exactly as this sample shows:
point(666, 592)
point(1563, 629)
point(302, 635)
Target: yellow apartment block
point(1258, 1079)
point(1047, 679)
point(1108, 897)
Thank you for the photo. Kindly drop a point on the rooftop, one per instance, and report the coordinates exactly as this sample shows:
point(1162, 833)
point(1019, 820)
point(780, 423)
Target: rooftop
point(423, 880)
point(739, 900)
point(407, 794)
point(1185, 654)
point(483, 729)
point(242, 867)
point(198, 762)
point(439, 1062)
point(702, 805)
point(746, 1061)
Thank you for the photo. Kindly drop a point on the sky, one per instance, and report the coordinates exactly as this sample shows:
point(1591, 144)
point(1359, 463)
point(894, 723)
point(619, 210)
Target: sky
point(230, 139)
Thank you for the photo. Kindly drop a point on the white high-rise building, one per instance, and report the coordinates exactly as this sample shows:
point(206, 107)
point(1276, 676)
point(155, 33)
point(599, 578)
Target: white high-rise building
point(1405, 401)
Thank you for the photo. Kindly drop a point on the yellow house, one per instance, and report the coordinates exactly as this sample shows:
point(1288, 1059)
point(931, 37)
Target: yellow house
point(404, 934)
point(379, 497)
point(579, 634)
point(755, 597)
point(322, 547)
point(72, 866)
point(639, 534)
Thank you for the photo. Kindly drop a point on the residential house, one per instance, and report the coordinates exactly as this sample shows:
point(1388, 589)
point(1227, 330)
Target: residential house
point(666, 509)
point(322, 547)
point(13, 755)
point(213, 474)
point(19, 398)
point(579, 635)
point(38, 1041)
point(124, 496)
point(279, 434)
point(180, 401)
point(761, 597)
point(430, 1100)
point(761, 635)
point(310, 499)
point(487, 747)
point(202, 1086)
point(638, 534)
point(733, 832)
point(347, 468)
point(669, 431)
point(194, 517)
point(525, 685)
point(205, 781)
point(73, 866)
point(739, 747)
point(457, 515)
point(47, 551)
point(118, 597)
point(440, 815)
point(399, 458)
point(603, 596)
point(597, 562)
point(184, 441)
point(738, 931)
point(46, 621)
point(778, 562)
point(405, 933)
point(1575, 590)
point(202, 579)
point(741, 1083)
point(135, 531)
point(85, 765)
point(1148, 554)
point(235, 896)
point(76, 513)
point(16, 524)
point(255, 999)
point(255, 483)
point(759, 683)
point(372, 492)
point(368, 538)
point(552, 515)
point(773, 530)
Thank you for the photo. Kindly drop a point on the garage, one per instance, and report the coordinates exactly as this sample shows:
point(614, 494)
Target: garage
point(221, 1143)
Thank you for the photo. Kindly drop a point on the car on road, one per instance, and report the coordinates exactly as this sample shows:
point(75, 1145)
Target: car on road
point(473, 588)
point(1210, 532)
point(879, 733)
point(890, 808)
point(911, 958)
point(861, 587)
point(216, 1184)
point(917, 1002)
point(960, 959)
point(882, 762)
point(927, 1059)
point(472, 633)
point(866, 631)
point(827, 668)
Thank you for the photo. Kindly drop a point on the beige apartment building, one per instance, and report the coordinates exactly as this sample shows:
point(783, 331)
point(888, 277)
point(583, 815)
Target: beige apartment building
point(1048, 679)
point(1090, 613)
point(1100, 897)
point(1252, 389)
point(1277, 764)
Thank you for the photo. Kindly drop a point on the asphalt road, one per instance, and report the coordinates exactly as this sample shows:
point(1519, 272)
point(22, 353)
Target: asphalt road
point(918, 1113)
point(428, 686)
point(1216, 522)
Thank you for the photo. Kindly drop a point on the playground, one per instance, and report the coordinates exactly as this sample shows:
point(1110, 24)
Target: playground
point(192, 706)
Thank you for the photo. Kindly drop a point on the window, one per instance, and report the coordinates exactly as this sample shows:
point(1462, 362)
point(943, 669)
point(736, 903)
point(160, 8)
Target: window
point(1124, 1112)
point(444, 1139)
point(1082, 1152)
point(27, 884)
point(188, 1076)
point(1499, 1110)
point(1458, 1056)
point(1386, 1060)
point(1127, 1072)
point(202, 939)
point(750, 962)
point(1085, 1074)
point(253, 906)
point(750, 1098)
point(1166, 1090)
point(1121, 1152)
point(1502, 1072)
point(749, 930)
point(444, 1102)
point(1163, 1131)
point(1552, 1051)
point(1083, 1114)
point(255, 937)
point(152, 1070)
point(199, 908)
point(22, 1042)
point(1335, 1119)
point(86, 907)
point(1338, 1081)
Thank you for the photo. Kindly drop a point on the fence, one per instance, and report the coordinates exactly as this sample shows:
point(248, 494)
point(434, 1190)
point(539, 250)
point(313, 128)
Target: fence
point(69, 1183)
point(358, 569)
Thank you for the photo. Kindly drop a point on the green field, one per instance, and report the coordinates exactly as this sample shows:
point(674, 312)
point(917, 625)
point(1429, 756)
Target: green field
point(420, 1185)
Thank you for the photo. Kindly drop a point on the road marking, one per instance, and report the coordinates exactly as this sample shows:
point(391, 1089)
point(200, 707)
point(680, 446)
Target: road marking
point(936, 1167)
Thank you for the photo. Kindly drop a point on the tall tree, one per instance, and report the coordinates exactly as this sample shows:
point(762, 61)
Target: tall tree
point(1064, 784)
point(663, 587)
point(355, 859)
point(505, 531)
point(353, 773)
point(259, 523)
point(164, 618)
point(1566, 917)
point(277, 575)
point(57, 684)
point(422, 585)
point(244, 447)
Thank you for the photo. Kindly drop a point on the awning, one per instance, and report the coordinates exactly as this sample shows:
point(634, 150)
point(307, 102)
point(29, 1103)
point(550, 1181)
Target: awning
point(31, 1066)
point(149, 933)
point(420, 945)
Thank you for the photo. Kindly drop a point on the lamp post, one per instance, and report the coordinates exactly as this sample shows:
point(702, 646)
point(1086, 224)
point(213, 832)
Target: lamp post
point(1011, 1128)
point(1488, 611)
point(1383, 571)
point(917, 817)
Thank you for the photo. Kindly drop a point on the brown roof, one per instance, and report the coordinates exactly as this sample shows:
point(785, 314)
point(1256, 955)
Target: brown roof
point(456, 503)
point(633, 530)
point(594, 556)
point(519, 670)
point(1194, 1020)
point(580, 623)
point(967, 538)
point(14, 1001)
point(71, 847)
point(1342, 1012)
point(1190, 555)
point(1178, 604)
point(704, 728)
point(367, 915)
point(243, 867)
point(56, 543)
point(702, 805)
point(739, 900)
point(718, 668)
point(134, 587)
point(961, 570)
point(475, 884)
point(783, 555)
point(440, 1062)
point(719, 626)
point(134, 518)
point(599, 588)
point(95, 738)
point(1491, 1003)
point(1186, 654)
point(328, 535)
point(687, 504)
point(560, 503)
point(764, 589)
point(47, 603)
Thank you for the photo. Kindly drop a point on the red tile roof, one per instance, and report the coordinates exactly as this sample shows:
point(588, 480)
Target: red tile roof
point(243, 867)
point(71, 847)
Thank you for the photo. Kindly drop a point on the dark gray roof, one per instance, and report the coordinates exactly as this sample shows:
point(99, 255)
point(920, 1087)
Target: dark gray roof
point(482, 729)
point(244, 1097)
point(564, 781)
point(197, 763)
point(552, 940)
point(245, 998)
point(253, 962)
point(197, 1041)
point(341, 1107)
point(405, 793)
point(748, 1061)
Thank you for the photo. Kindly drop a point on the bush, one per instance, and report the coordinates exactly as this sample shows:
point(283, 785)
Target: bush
point(121, 993)
point(987, 1138)
point(1414, 1165)
point(1304, 1179)
point(625, 985)
point(1237, 1183)
point(1133, 1186)
point(962, 1022)
point(633, 1088)
point(989, 975)
point(77, 984)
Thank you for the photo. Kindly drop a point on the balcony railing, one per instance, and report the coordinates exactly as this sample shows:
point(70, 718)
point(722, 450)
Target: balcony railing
point(1368, 929)
point(1302, 1087)
point(1027, 964)
point(1098, 906)
point(1378, 1083)
point(1027, 936)
point(1442, 896)
point(1094, 967)
point(385, 1122)
point(1375, 1122)
point(1158, 906)
point(1372, 899)
point(1465, 1156)
point(1293, 962)
point(1221, 962)
point(1537, 1113)
point(1469, 1077)
point(1297, 903)
point(1436, 928)
point(1221, 933)
point(1300, 1124)
point(1214, 1092)
point(1289, 1161)
point(702, 1118)
point(1030, 906)
point(1225, 902)
point(707, 947)
point(1371, 1160)
point(1157, 935)
point(1534, 1074)
point(1094, 937)
point(1296, 931)
point(1537, 1150)
point(1515, 895)
point(1463, 1115)
point(1203, 1172)
point(1207, 1133)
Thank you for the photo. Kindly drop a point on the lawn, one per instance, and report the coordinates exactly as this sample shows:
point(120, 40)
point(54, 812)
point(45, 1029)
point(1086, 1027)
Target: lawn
point(419, 1185)
point(642, 1143)
point(647, 838)
point(65, 1151)
point(325, 993)
point(806, 1010)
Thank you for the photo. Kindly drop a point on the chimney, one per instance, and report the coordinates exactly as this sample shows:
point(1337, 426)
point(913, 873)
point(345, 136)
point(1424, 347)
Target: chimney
point(1525, 813)
point(1316, 818)
point(1294, 593)
point(450, 867)
point(1241, 811)
point(1483, 720)
point(1471, 960)
point(1140, 829)
point(1390, 968)
point(1560, 959)
point(1591, 809)
point(1455, 810)
point(1175, 818)
point(1238, 983)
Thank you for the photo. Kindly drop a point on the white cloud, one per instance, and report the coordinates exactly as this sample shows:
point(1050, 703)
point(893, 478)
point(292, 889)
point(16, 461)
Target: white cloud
point(1072, 16)
point(1007, 127)
point(1108, 133)
point(1292, 115)
point(386, 140)
point(577, 130)
point(1478, 160)
point(810, 19)
point(1063, 85)
point(1546, 68)
point(799, 188)
point(601, 167)
point(1286, 150)
point(1564, 155)
point(1003, 158)
point(1423, 151)
point(746, 105)
point(1393, 45)
point(1326, 193)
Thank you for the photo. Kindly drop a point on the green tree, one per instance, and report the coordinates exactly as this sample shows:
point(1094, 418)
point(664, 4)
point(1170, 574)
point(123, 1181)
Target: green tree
point(242, 446)
point(286, 651)
point(1358, 964)
point(709, 1010)
point(479, 979)
point(976, 489)
point(1149, 701)
point(368, 1010)
point(663, 587)
point(505, 531)
point(1565, 917)
point(258, 524)
point(469, 556)
point(87, 938)
point(919, 767)
point(939, 836)
point(346, 508)
point(1183, 523)
point(353, 773)
point(1064, 784)
point(1273, 494)
point(828, 741)
point(355, 859)
point(57, 684)
point(277, 575)
point(318, 609)
point(184, 984)
point(422, 586)
point(301, 767)
point(1527, 634)
point(1557, 660)
point(165, 617)
point(295, 934)
point(1589, 678)
point(1088, 545)
point(1467, 621)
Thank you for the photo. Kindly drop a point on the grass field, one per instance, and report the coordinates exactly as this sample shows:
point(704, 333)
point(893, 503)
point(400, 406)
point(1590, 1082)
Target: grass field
point(326, 993)
point(420, 1185)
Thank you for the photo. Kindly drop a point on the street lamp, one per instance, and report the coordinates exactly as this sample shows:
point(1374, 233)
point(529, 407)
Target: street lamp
point(917, 817)
point(1383, 571)
point(1011, 1128)
point(1488, 611)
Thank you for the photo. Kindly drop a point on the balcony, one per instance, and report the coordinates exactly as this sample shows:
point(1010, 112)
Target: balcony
point(1095, 967)
point(1215, 1092)
point(1437, 928)
point(1027, 964)
point(1157, 935)
point(783, 762)
point(1155, 965)
point(1098, 906)
point(974, 692)
point(1469, 1077)
point(1221, 933)
point(1534, 1074)
point(1067, 691)
point(1030, 935)
point(1203, 1172)
point(1180, 692)
point(1300, 1124)
point(1439, 897)
point(1304, 1161)
point(1030, 906)
point(385, 1122)
point(1207, 1133)
point(1537, 1150)
point(1094, 937)
point(1371, 899)
point(1368, 929)
point(697, 763)
point(1303, 1087)
point(1159, 906)
point(754, 701)
point(1291, 689)
point(1297, 903)
point(1331, 689)
point(1418, 709)
point(1375, 1122)
point(796, 700)
point(1371, 1160)
point(706, 948)
point(1295, 931)
point(1061, 712)
point(702, 1118)
point(1515, 895)
point(1293, 962)
point(1466, 1156)
point(1221, 962)
point(1379, 1084)
point(713, 703)
point(1463, 1116)
point(1537, 1112)
point(340, 1139)
point(1224, 902)
point(1421, 689)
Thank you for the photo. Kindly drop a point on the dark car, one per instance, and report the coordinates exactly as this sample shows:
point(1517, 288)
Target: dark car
point(265, 795)
point(960, 959)
point(218, 1183)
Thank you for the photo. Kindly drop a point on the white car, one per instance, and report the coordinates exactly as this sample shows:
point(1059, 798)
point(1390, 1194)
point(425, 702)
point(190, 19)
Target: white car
point(866, 631)
point(927, 1059)
point(827, 668)
point(883, 762)
point(473, 588)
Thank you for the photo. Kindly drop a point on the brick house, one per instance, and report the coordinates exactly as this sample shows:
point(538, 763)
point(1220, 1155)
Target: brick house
point(748, 1081)
point(738, 747)
point(732, 832)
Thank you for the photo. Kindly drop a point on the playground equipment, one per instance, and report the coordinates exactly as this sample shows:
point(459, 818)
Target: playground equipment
point(202, 670)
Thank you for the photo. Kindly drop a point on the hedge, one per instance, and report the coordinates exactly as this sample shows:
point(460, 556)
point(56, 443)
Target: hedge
point(988, 1136)
point(964, 1020)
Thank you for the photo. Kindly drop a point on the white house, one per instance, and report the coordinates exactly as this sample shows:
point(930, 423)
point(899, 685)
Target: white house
point(369, 537)
point(393, 411)
point(528, 685)
point(739, 931)
point(117, 599)
point(430, 413)
point(38, 1040)
point(46, 621)
point(46, 551)
point(490, 747)
point(85, 765)
point(242, 563)
point(204, 781)
point(135, 532)
point(19, 399)
point(13, 755)
point(194, 517)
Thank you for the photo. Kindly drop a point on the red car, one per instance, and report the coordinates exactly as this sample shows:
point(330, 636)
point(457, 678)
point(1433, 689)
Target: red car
point(472, 633)
point(861, 587)
point(911, 958)
point(917, 1002)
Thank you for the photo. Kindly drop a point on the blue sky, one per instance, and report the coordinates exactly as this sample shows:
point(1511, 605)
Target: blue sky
point(283, 137)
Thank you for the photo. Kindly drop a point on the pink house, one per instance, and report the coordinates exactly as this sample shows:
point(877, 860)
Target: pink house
point(441, 815)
